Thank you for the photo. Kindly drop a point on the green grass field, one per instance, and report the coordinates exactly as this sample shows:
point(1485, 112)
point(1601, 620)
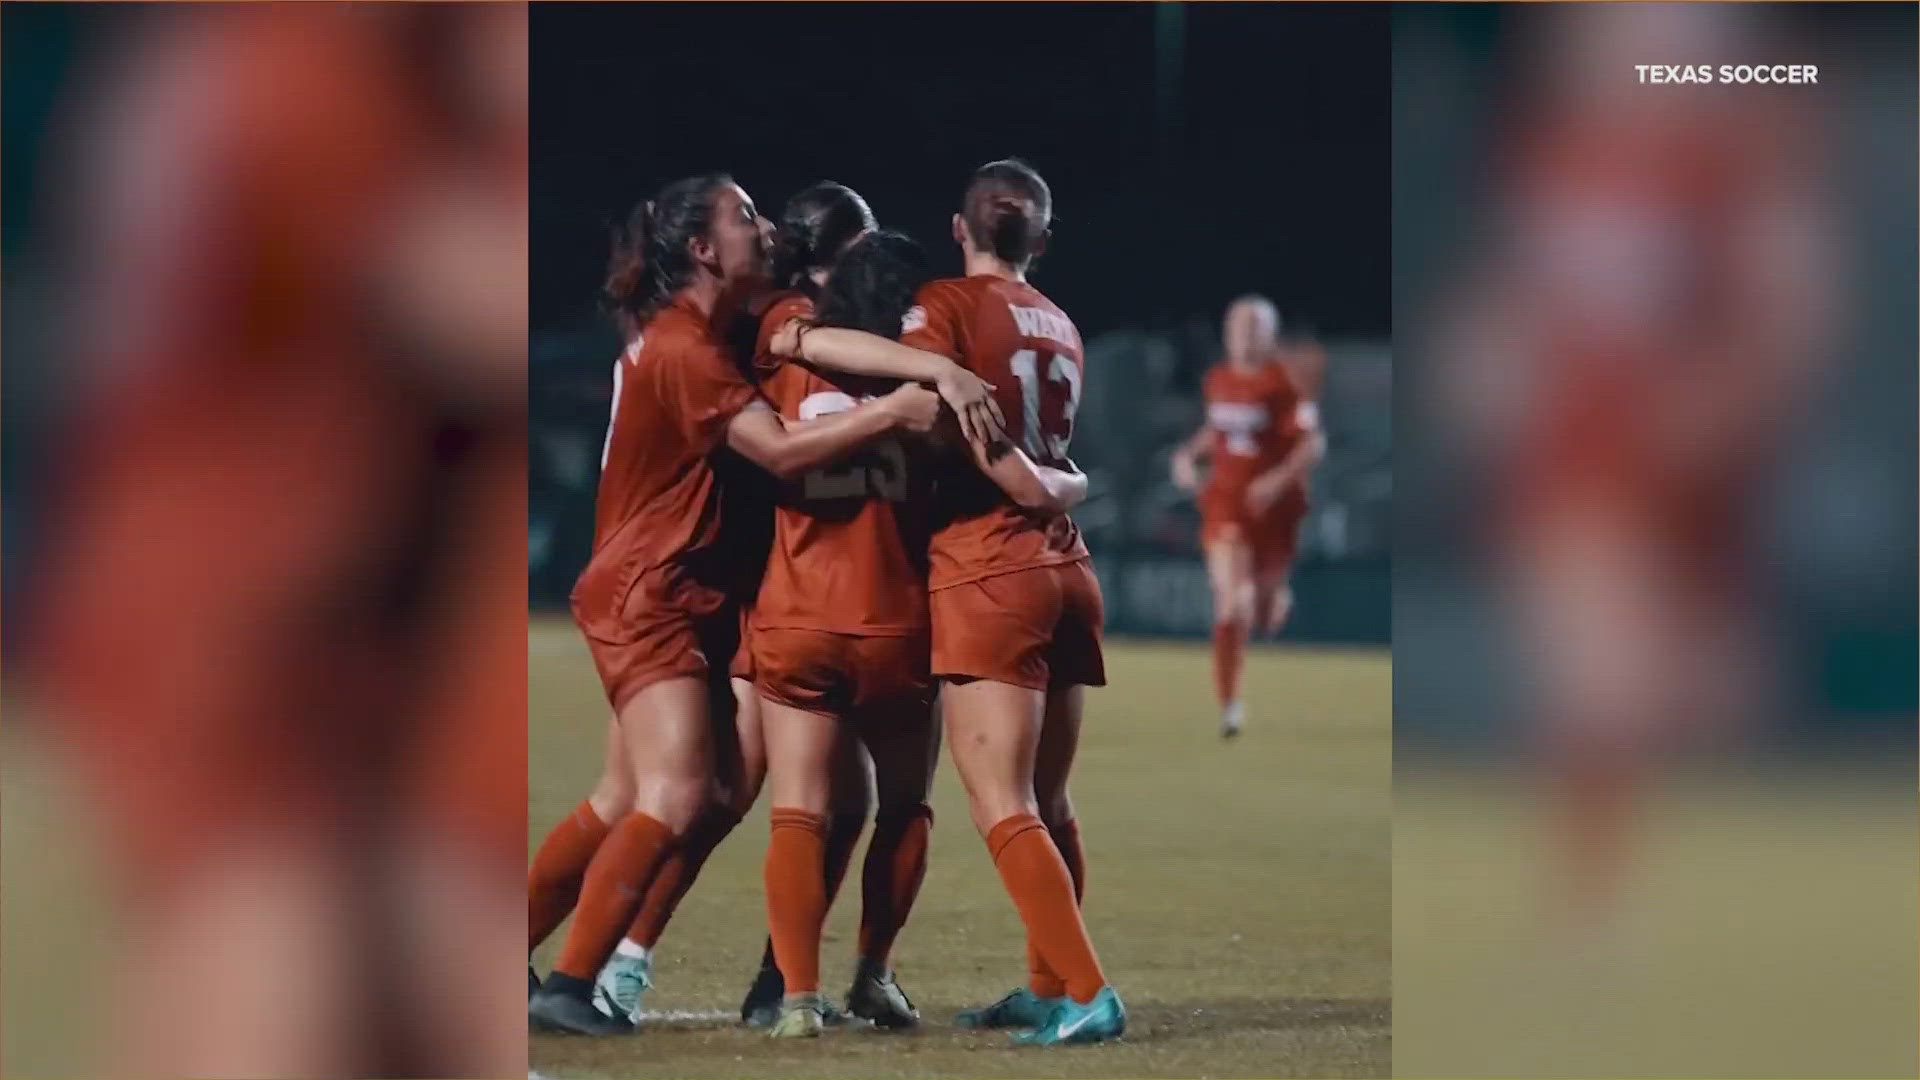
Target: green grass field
point(1239, 893)
point(1766, 929)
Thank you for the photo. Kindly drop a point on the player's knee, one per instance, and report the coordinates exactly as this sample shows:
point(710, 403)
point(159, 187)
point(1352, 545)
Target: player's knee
point(900, 813)
point(674, 801)
point(612, 797)
point(991, 808)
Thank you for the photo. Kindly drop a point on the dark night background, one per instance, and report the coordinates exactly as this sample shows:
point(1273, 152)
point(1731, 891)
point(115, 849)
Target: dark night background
point(1195, 152)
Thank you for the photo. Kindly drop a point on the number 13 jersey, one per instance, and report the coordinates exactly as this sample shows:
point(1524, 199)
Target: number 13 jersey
point(1007, 333)
point(849, 549)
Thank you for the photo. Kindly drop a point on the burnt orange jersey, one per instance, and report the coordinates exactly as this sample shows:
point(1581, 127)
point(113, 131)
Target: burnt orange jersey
point(1255, 419)
point(1010, 335)
point(658, 513)
point(850, 539)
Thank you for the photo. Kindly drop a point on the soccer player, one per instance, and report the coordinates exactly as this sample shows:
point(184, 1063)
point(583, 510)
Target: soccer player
point(841, 640)
point(656, 601)
point(281, 495)
point(815, 226)
point(1261, 437)
point(1016, 608)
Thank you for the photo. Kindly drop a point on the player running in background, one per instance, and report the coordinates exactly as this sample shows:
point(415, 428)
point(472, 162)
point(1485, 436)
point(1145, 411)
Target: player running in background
point(841, 640)
point(269, 626)
point(1016, 609)
point(1261, 438)
point(658, 600)
point(1633, 357)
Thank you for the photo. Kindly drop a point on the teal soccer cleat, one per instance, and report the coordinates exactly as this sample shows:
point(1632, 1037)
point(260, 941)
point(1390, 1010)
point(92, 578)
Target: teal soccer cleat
point(1098, 1020)
point(1020, 1009)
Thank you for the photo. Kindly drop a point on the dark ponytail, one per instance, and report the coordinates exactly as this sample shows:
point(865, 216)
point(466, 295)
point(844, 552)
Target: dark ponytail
point(815, 227)
point(1007, 209)
point(649, 261)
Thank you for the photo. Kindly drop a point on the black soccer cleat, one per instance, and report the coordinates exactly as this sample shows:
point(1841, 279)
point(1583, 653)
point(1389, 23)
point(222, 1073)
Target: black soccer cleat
point(562, 1007)
point(761, 1008)
point(878, 999)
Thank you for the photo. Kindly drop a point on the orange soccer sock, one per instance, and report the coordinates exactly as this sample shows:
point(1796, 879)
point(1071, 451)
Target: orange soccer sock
point(1229, 641)
point(553, 881)
point(797, 895)
point(1041, 979)
point(890, 880)
point(1036, 878)
point(842, 837)
point(621, 873)
point(678, 874)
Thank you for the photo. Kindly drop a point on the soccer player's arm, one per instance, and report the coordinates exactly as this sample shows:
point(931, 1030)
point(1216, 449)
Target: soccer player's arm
point(1041, 489)
point(925, 354)
point(1186, 459)
point(760, 435)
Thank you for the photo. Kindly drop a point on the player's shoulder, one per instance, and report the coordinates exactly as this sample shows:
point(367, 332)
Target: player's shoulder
point(938, 300)
point(786, 304)
point(950, 292)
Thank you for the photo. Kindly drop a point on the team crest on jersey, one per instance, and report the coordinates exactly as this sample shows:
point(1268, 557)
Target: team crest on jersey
point(914, 319)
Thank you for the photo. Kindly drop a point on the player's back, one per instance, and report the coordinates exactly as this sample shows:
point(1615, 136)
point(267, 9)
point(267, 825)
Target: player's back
point(850, 539)
point(1012, 336)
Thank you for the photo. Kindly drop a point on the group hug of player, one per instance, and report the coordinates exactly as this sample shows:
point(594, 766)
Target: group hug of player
point(796, 543)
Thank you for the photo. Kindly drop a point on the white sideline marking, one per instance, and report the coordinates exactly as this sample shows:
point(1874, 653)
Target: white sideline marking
point(684, 1015)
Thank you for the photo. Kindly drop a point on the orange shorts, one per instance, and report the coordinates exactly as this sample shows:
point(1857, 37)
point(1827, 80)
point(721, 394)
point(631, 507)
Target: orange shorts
point(1035, 628)
point(841, 674)
point(1274, 536)
point(667, 645)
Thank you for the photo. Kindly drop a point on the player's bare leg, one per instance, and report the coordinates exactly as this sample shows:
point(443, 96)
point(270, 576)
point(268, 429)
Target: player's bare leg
point(1230, 573)
point(800, 752)
point(1593, 611)
point(993, 730)
point(285, 901)
point(904, 745)
point(740, 769)
point(1273, 602)
point(445, 899)
point(667, 737)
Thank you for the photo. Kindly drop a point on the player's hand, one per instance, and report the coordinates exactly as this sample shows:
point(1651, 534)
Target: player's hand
point(1186, 474)
point(971, 398)
point(1262, 493)
point(786, 340)
point(914, 407)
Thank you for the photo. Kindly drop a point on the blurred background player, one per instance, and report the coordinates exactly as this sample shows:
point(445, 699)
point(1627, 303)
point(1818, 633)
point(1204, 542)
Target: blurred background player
point(1261, 439)
point(1642, 341)
point(274, 621)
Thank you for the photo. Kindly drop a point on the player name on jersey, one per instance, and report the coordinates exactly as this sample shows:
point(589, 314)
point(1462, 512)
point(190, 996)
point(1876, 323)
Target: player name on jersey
point(1040, 323)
